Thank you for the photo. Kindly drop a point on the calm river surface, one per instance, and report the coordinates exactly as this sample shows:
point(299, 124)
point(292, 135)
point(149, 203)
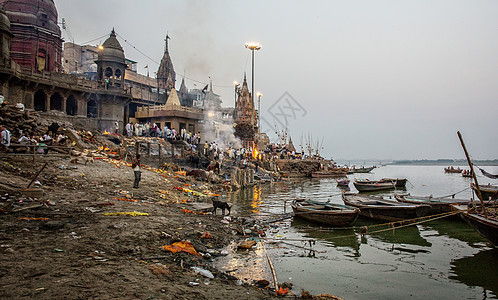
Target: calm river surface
point(443, 259)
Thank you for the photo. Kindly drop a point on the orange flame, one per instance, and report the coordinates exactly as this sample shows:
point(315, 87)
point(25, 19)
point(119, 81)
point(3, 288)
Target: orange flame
point(255, 153)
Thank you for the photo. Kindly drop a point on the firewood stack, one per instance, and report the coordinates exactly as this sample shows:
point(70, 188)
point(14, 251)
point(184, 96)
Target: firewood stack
point(15, 120)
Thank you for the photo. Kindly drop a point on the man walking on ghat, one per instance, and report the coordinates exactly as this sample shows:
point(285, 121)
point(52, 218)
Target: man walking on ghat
point(135, 164)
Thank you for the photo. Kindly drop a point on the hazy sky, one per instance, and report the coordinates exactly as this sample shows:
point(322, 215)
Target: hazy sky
point(374, 79)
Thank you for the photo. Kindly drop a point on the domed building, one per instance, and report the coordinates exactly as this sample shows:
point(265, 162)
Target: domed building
point(111, 64)
point(37, 42)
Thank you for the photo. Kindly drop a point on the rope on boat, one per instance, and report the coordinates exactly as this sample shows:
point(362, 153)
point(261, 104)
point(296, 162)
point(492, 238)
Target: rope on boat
point(390, 226)
point(452, 195)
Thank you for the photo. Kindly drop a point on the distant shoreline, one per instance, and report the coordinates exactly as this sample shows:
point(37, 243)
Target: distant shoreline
point(444, 162)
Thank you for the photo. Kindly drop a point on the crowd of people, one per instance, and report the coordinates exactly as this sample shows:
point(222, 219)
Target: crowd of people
point(153, 130)
point(24, 142)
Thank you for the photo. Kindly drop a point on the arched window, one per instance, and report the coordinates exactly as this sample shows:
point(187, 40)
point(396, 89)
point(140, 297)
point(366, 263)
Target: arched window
point(71, 106)
point(108, 72)
point(117, 73)
point(92, 109)
point(56, 101)
point(40, 101)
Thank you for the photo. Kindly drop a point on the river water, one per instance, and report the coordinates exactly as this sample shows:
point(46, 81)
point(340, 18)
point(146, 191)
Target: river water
point(442, 259)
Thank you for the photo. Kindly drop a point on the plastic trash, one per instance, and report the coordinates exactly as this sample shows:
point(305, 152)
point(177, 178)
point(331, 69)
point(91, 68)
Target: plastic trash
point(203, 272)
point(192, 283)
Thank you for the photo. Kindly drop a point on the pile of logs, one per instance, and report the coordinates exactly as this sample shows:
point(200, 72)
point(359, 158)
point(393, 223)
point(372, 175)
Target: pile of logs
point(16, 119)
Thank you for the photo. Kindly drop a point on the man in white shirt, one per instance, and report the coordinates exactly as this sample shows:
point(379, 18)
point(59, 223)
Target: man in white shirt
point(4, 138)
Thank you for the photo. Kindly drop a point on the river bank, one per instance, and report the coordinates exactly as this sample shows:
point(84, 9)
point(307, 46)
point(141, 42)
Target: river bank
point(68, 248)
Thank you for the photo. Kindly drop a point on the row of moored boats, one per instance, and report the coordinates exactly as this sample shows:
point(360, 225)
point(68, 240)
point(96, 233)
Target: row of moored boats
point(393, 208)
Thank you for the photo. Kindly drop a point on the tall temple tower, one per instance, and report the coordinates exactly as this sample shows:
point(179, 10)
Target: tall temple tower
point(166, 76)
point(244, 107)
point(183, 93)
point(245, 127)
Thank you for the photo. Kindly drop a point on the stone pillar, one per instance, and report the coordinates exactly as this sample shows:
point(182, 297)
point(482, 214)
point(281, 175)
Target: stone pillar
point(47, 102)
point(63, 104)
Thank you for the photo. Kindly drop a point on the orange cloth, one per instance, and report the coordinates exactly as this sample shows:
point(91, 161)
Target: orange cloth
point(182, 246)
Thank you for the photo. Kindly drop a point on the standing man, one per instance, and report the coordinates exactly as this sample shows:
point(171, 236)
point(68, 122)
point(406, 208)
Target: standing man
point(4, 138)
point(116, 127)
point(129, 129)
point(135, 164)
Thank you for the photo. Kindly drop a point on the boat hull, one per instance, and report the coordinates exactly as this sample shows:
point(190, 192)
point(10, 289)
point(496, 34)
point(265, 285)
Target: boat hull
point(361, 170)
point(374, 186)
point(338, 218)
point(437, 206)
point(384, 209)
point(343, 182)
point(487, 191)
point(488, 228)
point(399, 182)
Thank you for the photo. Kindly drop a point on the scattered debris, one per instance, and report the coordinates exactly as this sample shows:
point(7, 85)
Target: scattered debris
point(183, 246)
point(203, 272)
point(128, 213)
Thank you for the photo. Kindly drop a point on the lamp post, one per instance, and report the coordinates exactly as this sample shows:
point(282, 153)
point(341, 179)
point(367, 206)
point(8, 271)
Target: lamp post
point(253, 46)
point(259, 111)
point(236, 85)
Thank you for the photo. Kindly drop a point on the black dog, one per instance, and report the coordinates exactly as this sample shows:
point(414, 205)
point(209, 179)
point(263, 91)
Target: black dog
point(221, 205)
point(53, 128)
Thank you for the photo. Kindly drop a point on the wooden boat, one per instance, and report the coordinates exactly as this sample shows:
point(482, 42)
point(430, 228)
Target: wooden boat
point(329, 214)
point(376, 207)
point(361, 170)
point(372, 186)
point(487, 191)
point(399, 182)
point(343, 182)
point(466, 174)
point(482, 218)
point(452, 170)
point(329, 174)
point(437, 205)
point(487, 227)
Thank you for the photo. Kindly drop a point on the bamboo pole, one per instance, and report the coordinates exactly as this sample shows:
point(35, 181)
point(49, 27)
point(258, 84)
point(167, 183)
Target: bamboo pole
point(34, 178)
point(479, 195)
point(274, 275)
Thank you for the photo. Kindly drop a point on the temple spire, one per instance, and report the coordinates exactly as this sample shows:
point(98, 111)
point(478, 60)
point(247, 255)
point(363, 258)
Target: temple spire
point(166, 42)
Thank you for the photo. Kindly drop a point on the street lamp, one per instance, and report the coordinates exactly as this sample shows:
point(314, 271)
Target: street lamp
point(259, 110)
point(236, 85)
point(253, 46)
